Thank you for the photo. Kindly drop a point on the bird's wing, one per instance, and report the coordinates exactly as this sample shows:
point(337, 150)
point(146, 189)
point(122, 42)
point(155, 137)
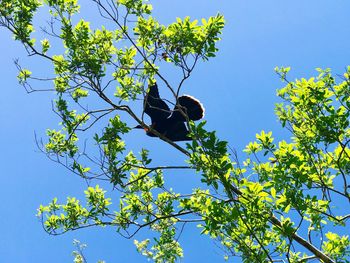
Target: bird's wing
point(177, 131)
point(190, 106)
point(154, 106)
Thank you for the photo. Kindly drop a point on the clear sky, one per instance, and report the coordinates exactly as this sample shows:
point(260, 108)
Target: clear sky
point(237, 88)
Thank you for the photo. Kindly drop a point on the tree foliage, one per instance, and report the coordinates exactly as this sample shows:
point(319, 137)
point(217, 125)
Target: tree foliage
point(284, 201)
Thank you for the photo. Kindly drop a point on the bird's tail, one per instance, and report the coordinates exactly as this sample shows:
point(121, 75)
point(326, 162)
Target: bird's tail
point(190, 106)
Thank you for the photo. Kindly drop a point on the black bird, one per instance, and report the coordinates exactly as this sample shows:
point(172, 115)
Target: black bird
point(171, 124)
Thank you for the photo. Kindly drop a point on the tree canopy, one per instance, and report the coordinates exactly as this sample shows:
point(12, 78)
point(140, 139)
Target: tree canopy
point(283, 202)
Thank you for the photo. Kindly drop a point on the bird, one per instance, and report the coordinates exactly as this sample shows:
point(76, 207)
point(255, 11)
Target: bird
point(170, 124)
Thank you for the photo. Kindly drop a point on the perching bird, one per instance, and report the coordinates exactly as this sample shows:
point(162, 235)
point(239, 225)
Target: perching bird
point(171, 124)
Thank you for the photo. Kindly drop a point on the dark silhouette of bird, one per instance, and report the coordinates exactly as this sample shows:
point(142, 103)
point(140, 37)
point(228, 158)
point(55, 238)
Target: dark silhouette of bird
point(171, 124)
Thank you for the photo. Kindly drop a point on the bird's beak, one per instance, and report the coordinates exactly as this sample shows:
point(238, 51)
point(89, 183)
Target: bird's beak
point(140, 127)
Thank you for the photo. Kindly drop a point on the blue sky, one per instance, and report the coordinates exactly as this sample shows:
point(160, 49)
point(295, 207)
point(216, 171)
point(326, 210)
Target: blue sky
point(237, 88)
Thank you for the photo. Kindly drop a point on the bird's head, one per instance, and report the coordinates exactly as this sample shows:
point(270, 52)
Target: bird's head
point(140, 127)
